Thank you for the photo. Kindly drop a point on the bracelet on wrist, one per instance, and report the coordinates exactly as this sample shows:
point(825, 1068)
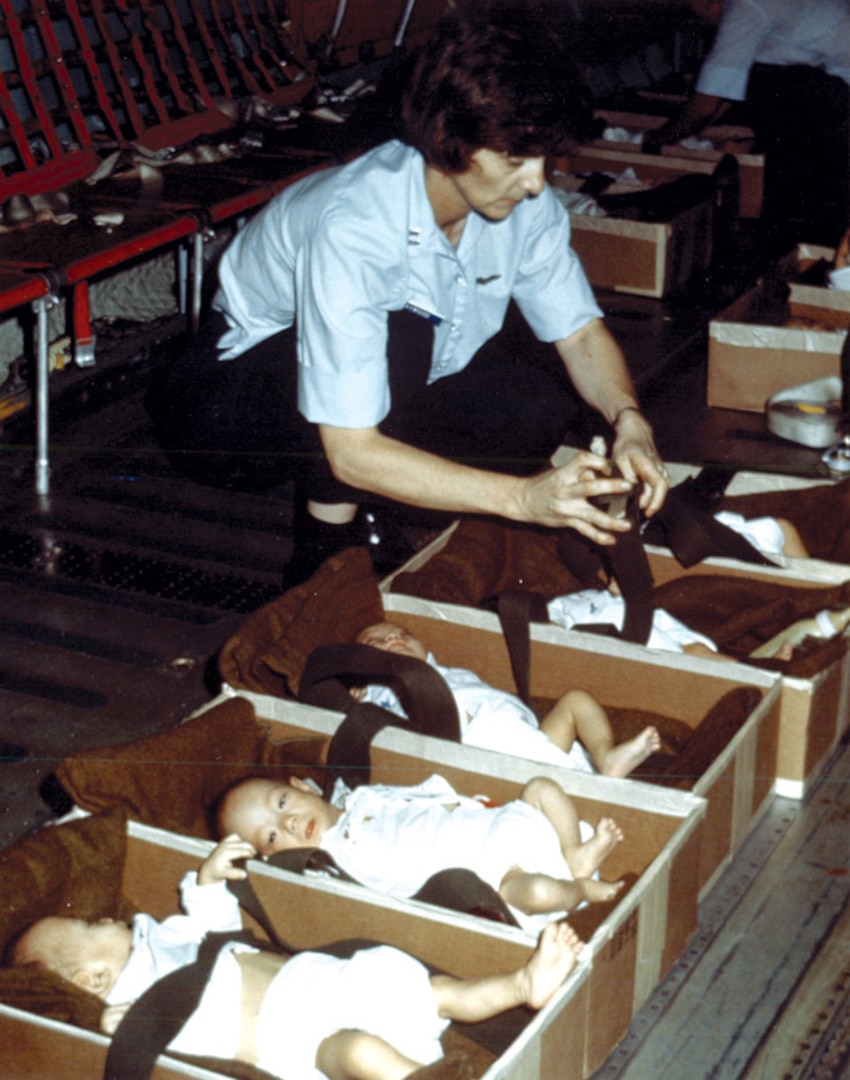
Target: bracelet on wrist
point(626, 408)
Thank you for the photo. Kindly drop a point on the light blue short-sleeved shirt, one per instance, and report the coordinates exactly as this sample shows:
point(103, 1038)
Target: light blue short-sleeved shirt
point(338, 251)
point(814, 33)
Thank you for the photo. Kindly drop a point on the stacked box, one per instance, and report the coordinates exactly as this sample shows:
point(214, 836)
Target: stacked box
point(749, 361)
point(641, 257)
point(727, 138)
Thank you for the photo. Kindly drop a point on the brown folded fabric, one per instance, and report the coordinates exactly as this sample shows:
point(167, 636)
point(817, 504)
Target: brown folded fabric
point(711, 736)
point(485, 558)
point(74, 869)
point(739, 614)
point(269, 652)
point(173, 780)
point(482, 559)
point(820, 514)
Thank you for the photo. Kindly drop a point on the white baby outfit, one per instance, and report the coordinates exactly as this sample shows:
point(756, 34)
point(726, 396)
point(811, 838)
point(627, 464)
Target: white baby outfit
point(492, 719)
point(394, 839)
point(379, 990)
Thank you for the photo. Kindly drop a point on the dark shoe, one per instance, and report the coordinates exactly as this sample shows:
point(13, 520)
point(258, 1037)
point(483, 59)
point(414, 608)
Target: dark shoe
point(383, 533)
point(12, 752)
point(316, 541)
point(376, 529)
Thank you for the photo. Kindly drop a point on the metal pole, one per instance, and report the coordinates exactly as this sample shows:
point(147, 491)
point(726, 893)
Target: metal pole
point(42, 399)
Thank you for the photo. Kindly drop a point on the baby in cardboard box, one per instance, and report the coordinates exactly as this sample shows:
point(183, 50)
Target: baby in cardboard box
point(575, 734)
point(533, 851)
point(376, 1016)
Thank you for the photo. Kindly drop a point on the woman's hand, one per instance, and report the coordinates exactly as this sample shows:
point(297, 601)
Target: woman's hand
point(637, 459)
point(559, 498)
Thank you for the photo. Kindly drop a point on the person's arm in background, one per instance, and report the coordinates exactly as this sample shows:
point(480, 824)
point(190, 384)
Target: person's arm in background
point(742, 28)
point(699, 111)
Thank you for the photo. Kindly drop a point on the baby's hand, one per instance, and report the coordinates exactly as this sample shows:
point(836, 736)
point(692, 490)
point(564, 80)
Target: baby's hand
point(218, 865)
point(112, 1016)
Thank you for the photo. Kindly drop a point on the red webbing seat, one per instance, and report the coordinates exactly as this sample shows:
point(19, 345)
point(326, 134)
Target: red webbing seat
point(18, 288)
point(46, 144)
point(340, 33)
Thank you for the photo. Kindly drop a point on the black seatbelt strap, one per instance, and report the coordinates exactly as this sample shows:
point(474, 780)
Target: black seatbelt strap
point(694, 534)
point(427, 700)
point(626, 561)
point(157, 1017)
point(517, 609)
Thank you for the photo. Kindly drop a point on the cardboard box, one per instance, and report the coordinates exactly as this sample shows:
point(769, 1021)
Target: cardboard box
point(310, 913)
point(642, 937)
point(727, 139)
point(815, 712)
point(740, 782)
point(640, 257)
point(749, 362)
point(803, 257)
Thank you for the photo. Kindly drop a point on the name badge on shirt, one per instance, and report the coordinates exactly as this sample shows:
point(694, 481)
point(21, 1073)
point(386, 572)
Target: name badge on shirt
point(423, 313)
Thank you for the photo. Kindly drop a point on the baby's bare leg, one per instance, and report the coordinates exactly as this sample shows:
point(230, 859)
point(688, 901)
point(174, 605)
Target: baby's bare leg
point(539, 894)
point(696, 648)
point(355, 1055)
point(583, 858)
point(472, 1000)
point(578, 715)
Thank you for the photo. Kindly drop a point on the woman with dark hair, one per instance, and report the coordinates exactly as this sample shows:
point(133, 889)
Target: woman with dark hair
point(357, 324)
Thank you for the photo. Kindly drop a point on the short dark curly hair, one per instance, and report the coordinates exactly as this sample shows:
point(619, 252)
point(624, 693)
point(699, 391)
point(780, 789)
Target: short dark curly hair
point(498, 77)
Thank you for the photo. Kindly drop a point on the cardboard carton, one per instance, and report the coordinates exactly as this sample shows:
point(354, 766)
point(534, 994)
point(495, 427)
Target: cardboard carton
point(640, 257)
point(727, 138)
point(740, 780)
point(308, 914)
point(749, 362)
point(644, 933)
point(814, 712)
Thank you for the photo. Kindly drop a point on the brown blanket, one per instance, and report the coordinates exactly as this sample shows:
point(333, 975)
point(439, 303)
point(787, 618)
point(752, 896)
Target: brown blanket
point(173, 780)
point(268, 653)
point(76, 869)
point(483, 558)
point(821, 515)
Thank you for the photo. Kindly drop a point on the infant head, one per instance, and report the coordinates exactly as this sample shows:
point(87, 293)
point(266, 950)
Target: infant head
point(275, 816)
point(89, 954)
point(392, 638)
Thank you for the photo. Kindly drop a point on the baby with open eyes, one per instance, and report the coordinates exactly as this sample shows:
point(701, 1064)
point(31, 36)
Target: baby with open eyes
point(534, 851)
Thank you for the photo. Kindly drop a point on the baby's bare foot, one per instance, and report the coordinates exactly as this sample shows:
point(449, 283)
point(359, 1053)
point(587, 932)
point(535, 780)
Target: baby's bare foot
point(554, 958)
point(586, 858)
point(623, 759)
point(599, 892)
